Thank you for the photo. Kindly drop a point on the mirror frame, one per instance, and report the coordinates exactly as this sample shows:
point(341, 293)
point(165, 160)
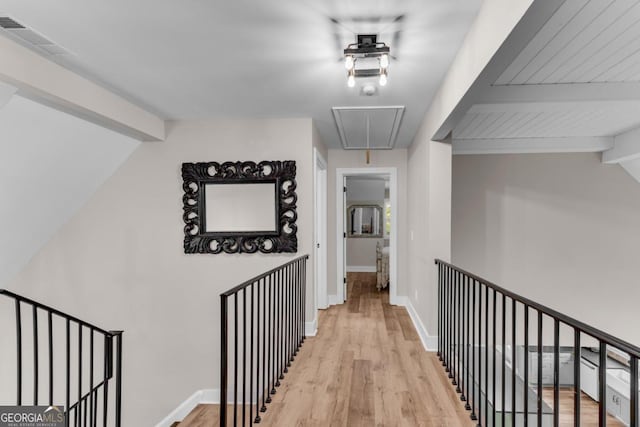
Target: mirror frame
point(378, 210)
point(196, 176)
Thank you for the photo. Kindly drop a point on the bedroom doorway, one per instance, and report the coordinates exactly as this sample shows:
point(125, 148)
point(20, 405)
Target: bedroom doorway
point(366, 225)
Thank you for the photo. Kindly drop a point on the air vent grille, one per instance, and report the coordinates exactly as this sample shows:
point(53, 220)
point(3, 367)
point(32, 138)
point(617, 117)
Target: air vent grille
point(30, 38)
point(383, 122)
point(9, 24)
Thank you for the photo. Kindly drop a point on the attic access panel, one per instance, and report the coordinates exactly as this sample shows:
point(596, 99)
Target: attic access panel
point(384, 123)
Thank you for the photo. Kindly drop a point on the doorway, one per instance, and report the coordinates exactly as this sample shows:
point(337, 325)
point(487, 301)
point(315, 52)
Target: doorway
point(346, 230)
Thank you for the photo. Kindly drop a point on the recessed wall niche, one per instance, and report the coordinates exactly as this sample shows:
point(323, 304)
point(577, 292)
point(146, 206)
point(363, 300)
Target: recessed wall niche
point(240, 207)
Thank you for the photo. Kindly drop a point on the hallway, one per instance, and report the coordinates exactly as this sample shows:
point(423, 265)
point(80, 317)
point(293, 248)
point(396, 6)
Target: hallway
point(366, 367)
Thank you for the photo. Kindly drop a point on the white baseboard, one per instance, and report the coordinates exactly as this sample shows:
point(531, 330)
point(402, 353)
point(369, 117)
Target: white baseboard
point(333, 300)
point(429, 342)
point(311, 328)
point(361, 269)
point(185, 408)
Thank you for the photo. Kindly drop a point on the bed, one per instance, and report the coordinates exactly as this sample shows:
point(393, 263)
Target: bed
point(382, 266)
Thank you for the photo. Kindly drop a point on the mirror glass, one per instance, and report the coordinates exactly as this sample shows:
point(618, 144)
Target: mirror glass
point(247, 207)
point(365, 221)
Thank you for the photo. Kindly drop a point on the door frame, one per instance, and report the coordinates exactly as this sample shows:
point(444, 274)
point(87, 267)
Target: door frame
point(320, 170)
point(341, 174)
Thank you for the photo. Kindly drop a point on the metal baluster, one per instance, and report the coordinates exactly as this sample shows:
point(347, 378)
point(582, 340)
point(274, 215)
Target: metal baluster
point(79, 407)
point(50, 333)
point(244, 354)
point(458, 333)
point(279, 331)
point(526, 365)
point(602, 383)
point(577, 388)
point(272, 296)
point(454, 329)
point(514, 312)
point(493, 340)
point(633, 410)
point(251, 357)
point(479, 354)
point(35, 355)
point(265, 343)
point(281, 342)
point(486, 354)
point(91, 401)
point(68, 370)
point(235, 363)
point(539, 397)
point(445, 317)
point(119, 378)
point(465, 339)
point(261, 283)
point(556, 373)
point(108, 360)
point(224, 338)
point(304, 295)
point(288, 317)
point(504, 356)
point(449, 328)
point(439, 310)
point(473, 351)
point(19, 355)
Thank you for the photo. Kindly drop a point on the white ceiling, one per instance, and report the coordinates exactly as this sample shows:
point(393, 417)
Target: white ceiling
point(42, 153)
point(566, 79)
point(197, 59)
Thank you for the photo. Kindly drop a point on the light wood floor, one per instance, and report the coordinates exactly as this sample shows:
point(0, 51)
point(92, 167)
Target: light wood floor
point(366, 367)
point(588, 409)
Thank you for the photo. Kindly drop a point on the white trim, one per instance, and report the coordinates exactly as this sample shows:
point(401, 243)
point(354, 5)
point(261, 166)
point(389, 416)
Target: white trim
point(582, 144)
point(361, 269)
point(320, 230)
point(333, 300)
point(199, 397)
point(341, 173)
point(429, 342)
point(311, 328)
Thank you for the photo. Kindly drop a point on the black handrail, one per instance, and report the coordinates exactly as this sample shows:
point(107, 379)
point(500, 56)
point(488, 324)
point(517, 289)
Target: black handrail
point(90, 405)
point(268, 335)
point(457, 337)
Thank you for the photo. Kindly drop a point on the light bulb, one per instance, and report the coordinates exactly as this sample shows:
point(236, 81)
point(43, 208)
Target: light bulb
point(349, 62)
point(351, 80)
point(383, 79)
point(384, 61)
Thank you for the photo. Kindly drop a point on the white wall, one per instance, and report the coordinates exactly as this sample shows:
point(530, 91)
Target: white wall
point(50, 165)
point(120, 263)
point(356, 159)
point(560, 229)
point(429, 182)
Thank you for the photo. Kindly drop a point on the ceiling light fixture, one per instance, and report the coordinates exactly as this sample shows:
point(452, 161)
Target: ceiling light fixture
point(367, 47)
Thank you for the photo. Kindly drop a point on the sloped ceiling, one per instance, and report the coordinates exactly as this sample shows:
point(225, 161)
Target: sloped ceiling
point(50, 165)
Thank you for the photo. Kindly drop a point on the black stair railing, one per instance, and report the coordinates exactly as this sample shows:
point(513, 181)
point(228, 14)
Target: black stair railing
point(64, 361)
point(262, 328)
point(485, 344)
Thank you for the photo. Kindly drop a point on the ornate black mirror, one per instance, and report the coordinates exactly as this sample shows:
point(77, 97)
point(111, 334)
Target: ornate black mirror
point(237, 207)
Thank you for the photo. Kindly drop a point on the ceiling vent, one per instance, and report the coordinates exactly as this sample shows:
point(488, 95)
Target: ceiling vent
point(383, 123)
point(30, 38)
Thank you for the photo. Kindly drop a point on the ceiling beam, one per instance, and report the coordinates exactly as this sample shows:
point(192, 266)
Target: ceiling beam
point(537, 14)
point(626, 147)
point(48, 83)
point(6, 93)
point(562, 93)
point(532, 145)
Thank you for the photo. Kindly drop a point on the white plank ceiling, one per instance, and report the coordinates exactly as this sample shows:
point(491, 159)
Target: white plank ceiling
point(572, 84)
